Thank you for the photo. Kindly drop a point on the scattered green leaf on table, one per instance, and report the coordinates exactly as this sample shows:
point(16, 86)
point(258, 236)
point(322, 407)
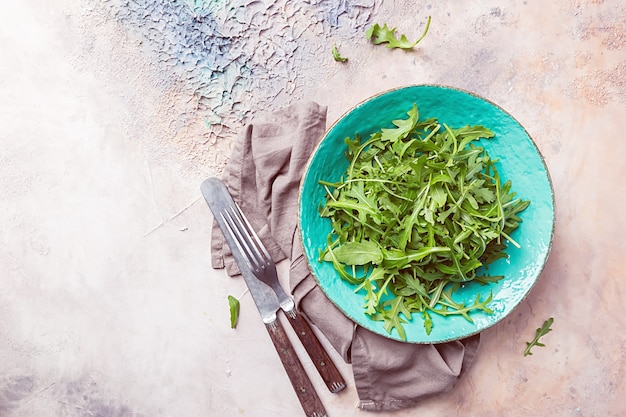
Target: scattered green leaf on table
point(384, 34)
point(336, 56)
point(233, 303)
point(542, 331)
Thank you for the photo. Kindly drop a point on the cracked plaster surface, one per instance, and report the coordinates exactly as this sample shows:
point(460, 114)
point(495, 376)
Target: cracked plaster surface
point(234, 58)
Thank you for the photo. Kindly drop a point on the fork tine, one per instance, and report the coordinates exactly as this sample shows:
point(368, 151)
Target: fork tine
point(259, 245)
point(228, 221)
point(246, 232)
point(244, 244)
point(247, 241)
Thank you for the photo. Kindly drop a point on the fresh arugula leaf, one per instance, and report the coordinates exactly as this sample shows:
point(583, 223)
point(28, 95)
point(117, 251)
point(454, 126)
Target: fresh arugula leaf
point(339, 267)
point(233, 304)
point(403, 127)
point(450, 308)
point(371, 301)
point(421, 207)
point(428, 322)
point(393, 319)
point(336, 56)
point(390, 314)
point(396, 258)
point(384, 34)
point(540, 332)
point(357, 253)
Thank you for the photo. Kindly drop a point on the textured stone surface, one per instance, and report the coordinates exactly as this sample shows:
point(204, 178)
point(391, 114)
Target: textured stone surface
point(113, 112)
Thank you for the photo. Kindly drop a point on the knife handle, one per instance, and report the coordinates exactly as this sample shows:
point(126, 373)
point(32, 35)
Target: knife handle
point(325, 366)
point(311, 403)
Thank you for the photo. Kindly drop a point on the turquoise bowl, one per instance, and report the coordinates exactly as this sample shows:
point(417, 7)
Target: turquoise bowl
point(519, 161)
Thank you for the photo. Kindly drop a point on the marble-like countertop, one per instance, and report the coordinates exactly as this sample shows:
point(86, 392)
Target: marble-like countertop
point(111, 115)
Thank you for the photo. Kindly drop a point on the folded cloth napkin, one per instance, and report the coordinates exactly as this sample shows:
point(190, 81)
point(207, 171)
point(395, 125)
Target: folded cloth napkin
point(263, 175)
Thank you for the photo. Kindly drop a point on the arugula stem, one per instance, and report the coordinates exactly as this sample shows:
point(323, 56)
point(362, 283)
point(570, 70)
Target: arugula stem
point(383, 288)
point(425, 32)
point(434, 298)
point(510, 239)
point(498, 199)
point(356, 156)
point(382, 181)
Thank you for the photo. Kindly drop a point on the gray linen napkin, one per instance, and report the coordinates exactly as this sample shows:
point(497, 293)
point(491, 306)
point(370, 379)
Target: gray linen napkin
point(263, 175)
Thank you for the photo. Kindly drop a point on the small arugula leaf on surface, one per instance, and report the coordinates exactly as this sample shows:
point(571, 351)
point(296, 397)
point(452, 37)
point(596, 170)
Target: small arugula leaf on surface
point(383, 34)
point(540, 332)
point(233, 304)
point(336, 56)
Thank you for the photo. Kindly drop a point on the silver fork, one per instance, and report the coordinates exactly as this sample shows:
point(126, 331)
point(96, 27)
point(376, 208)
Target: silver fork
point(262, 266)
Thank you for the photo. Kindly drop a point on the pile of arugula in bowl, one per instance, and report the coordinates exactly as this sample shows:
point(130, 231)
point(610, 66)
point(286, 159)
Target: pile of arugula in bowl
point(419, 210)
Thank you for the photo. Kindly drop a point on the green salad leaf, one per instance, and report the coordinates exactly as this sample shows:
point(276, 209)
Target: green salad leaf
point(383, 34)
point(540, 332)
point(420, 208)
point(336, 56)
point(233, 305)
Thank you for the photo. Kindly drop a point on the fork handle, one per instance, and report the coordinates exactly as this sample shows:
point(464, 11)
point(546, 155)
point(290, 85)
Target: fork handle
point(324, 365)
point(311, 403)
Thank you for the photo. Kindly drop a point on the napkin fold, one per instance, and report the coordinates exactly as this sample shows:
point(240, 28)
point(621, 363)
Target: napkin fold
point(263, 175)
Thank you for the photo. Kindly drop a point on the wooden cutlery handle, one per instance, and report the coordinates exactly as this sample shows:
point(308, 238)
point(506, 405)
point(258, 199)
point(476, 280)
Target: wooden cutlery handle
point(325, 366)
point(311, 403)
